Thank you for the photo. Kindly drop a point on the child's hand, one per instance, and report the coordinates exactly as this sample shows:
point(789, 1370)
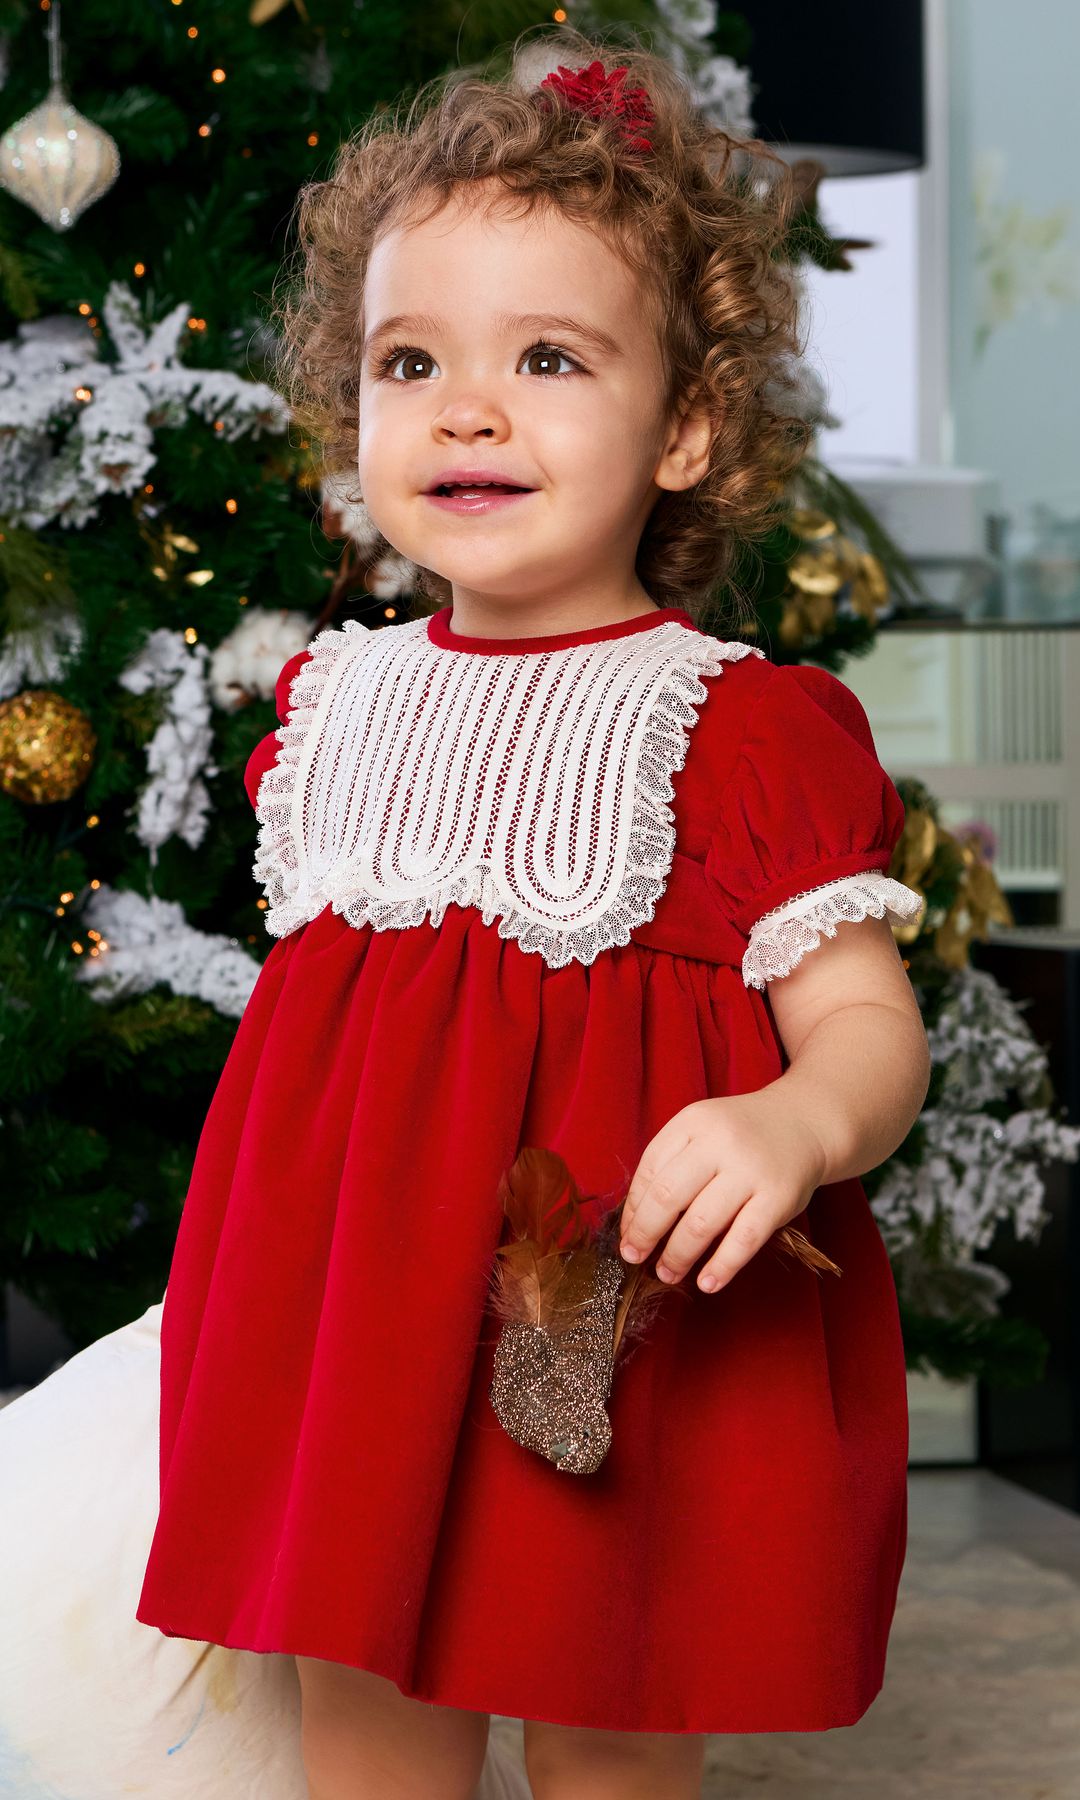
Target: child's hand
point(743, 1165)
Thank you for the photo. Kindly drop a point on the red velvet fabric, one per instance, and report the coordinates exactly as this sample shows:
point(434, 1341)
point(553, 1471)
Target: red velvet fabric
point(334, 1481)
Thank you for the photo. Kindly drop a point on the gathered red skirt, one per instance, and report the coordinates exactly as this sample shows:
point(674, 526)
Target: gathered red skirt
point(334, 1481)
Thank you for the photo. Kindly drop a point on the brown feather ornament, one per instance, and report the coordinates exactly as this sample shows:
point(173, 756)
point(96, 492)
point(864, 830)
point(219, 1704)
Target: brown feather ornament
point(569, 1304)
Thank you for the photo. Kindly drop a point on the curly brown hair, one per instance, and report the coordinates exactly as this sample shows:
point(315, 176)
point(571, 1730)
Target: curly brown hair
point(701, 219)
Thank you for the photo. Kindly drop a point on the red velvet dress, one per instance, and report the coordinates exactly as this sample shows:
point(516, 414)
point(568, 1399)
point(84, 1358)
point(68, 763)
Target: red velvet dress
point(334, 1481)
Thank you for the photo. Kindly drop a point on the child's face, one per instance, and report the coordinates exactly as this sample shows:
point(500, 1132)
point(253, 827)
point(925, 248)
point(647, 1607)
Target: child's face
point(579, 423)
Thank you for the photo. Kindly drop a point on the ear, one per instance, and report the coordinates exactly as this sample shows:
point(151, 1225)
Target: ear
point(686, 453)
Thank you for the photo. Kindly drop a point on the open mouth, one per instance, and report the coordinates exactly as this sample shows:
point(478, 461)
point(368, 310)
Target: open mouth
point(466, 490)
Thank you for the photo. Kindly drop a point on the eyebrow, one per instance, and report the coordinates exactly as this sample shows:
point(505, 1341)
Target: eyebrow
point(507, 323)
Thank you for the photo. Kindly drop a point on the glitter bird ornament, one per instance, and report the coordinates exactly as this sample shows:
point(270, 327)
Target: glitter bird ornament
point(569, 1304)
point(568, 1301)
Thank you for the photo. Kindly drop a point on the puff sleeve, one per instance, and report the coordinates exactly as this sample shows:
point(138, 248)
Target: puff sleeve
point(806, 824)
point(265, 751)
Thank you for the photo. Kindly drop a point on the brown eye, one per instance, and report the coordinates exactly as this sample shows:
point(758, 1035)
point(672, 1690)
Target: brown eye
point(413, 364)
point(544, 360)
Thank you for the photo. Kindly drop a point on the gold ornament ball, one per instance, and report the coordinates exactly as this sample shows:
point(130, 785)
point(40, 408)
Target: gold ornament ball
point(46, 747)
point(56, 161)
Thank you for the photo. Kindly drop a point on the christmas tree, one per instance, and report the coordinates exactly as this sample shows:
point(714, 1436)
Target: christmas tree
point(167, 542)
point(163, 552)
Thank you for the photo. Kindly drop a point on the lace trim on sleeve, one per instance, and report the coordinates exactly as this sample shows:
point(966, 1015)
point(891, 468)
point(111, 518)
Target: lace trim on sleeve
point(781, 938)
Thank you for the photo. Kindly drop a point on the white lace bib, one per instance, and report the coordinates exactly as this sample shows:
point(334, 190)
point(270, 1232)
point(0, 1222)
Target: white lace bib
point(533, 785)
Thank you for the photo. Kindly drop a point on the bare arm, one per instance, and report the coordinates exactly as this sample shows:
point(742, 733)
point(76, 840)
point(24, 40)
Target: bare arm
point(743, 1165)
point(860, 1062)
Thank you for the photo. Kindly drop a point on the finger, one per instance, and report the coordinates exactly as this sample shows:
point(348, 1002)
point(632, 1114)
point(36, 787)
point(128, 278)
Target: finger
point(656, 1163)
point(710, 1212)
point(752, 1227)
point(663, 1199)
point(669, 1142)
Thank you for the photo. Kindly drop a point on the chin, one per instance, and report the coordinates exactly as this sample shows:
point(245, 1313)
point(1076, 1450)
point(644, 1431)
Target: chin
point(480, 572)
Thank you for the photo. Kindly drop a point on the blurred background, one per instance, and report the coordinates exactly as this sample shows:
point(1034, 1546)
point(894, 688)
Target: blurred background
point(167, 542)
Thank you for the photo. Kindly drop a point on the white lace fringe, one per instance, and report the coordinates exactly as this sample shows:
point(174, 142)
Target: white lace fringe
point(651, 839)
point(275, 867)
point(781, 938)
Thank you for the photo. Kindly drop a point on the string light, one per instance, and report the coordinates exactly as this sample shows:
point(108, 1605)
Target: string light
point(559, 15)
point(84, 307)
point(262, 905)
point(313, 138)
point(191, 636)
point(140, 269)
point(199, 577)
point(230, 506)
point(92, 821)
point(67, 898)
point(149, 488)
point(95, 883)
point(204, 131)
point(217, 75)
point(243, 600)
point(84, 393)
point(193, 31)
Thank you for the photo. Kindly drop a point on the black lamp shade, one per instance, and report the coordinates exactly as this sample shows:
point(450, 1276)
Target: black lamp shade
point(840, 82)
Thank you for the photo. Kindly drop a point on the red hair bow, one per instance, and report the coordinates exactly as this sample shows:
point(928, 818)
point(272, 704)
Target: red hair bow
point(590, 90)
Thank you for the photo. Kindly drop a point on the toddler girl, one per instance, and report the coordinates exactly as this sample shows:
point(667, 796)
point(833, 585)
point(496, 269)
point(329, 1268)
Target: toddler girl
point(545, 866)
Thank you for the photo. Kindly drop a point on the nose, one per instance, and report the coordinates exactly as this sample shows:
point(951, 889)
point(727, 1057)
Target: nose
point(467, 417)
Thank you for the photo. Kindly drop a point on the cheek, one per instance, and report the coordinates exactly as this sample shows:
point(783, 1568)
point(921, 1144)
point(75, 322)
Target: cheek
point(370, 419)
point(378, 447)
point(565, 435)
point(599, 453)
